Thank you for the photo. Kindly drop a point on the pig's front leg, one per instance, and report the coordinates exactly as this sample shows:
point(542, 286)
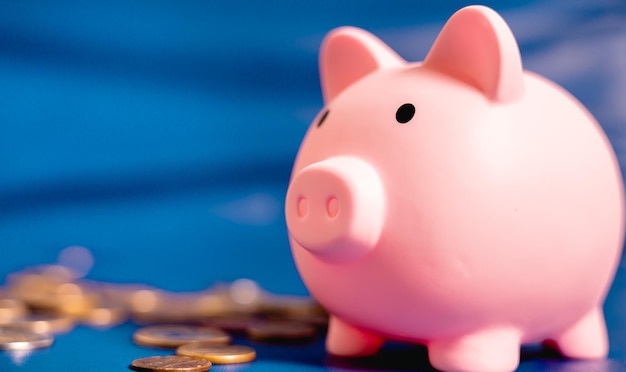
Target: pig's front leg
point(491, 350)
point(344, 339)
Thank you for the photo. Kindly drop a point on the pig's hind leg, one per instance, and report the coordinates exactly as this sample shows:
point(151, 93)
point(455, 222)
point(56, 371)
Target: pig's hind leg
point(585, 339)
point(488, 350)
point(344, 339)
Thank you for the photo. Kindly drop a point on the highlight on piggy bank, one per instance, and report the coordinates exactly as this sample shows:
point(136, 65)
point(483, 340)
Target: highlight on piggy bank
point(461, 202)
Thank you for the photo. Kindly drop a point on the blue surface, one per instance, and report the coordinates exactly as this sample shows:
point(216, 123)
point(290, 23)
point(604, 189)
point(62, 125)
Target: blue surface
point(160, 135)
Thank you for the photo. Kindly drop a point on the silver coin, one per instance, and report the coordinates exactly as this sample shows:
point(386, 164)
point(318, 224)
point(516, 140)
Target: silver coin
point(21, 339)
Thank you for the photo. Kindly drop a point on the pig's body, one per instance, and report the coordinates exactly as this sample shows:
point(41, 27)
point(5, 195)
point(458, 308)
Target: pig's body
point(492, 217)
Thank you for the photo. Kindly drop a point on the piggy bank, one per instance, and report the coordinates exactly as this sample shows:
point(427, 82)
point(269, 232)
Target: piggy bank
point(461, 202)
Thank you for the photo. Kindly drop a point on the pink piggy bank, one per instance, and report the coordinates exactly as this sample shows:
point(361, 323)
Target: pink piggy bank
point(461, 203)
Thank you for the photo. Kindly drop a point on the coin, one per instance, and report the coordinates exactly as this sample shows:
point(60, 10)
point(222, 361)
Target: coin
point(71, 299)
point(126, 295)
point(233, 323)
point(245, 293)
point(11, 309)
point(105, 316)
point(56, 273)
point(21, 339)
point(45, 323)
point(218, 354)
point(170, 363)
point(177, 335)
point(78, 259)
point(169, 309)
point(209, 303)
point(319, 321)
point(53, 293)
point(290, 305)
point(277, 330)
point(145, 300)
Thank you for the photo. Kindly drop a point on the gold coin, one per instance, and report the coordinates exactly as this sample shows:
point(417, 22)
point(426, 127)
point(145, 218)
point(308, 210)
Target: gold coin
point(319, 321)
point(233, 323)
point(211, 304)
point(177, 335)
point(32, 287)
point(170, 309)
point(145, 300)
point(281, 331)
point(155, 306)
point(54, 273)
point(134, 297)
point(218, 354)
point(11, 309)
point(72, 299)
point(105, 316)
point(245, 294)
point(290, 305)
point(170, 363)
point(45, 323)
point(53, 294)
point(21, 339)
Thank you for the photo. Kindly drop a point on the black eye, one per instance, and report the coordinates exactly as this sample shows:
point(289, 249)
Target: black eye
point(322, 118)
point(405, 113)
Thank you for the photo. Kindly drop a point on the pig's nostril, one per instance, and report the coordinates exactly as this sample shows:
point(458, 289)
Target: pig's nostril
point(303, 207)
point(332, 207)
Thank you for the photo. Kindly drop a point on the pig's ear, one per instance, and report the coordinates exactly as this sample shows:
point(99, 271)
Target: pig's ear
point(477, 47)
point(348, 54)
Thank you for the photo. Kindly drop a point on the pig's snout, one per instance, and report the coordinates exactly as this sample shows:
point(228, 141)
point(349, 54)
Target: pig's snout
point(335, 208)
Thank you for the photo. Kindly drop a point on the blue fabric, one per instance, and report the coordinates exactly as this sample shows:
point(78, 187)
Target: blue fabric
point(160, 134)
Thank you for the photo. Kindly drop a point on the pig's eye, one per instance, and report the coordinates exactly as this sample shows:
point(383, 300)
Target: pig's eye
point(322, 118)
point(405, 113)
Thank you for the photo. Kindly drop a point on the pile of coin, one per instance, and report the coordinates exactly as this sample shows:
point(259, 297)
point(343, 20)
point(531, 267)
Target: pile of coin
point(38, 303)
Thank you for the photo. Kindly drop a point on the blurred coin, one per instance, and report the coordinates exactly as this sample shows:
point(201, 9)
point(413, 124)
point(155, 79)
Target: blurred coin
point(173, 308)
point(170, 363)
point(121, 294)
point(242, 296)
point(77, 259)
point(162, 316)
point(245, 293)
point(290, 305)
point(319, 321)
point(218, 354)
point(72, 299)
point(44, 323)
point(105, 316)
point(11, 309)
point(145, 300)
point(21, 339)
point(281, 331)
point(56, 273)
point(27, 285)
point(177, 335)
point(233, 323)
point(53, 294)
point(211, 304)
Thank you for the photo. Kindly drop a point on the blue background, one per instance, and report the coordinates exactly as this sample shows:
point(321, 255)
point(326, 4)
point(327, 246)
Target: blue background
point(160, 135)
